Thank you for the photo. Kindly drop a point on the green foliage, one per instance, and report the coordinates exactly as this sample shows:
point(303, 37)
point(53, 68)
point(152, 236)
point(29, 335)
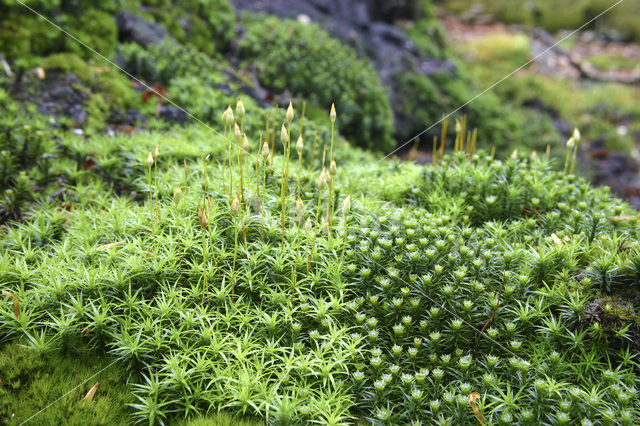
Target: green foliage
point(423, 100)
point(164, 62)
point(30, 382)
point(26, 151)
point(304, 59)
point(385, 326)
point(207, 25)
point(24, 36)
point(95, 28)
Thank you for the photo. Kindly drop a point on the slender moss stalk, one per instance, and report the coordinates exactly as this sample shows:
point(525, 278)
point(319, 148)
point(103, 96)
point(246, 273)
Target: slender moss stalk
point(235, 208)
point(321, 182)
point(346, 206)
point(156, 154)
point(239, 151)
point(300, 209)
point(443, 136)
point(273, 137)
point(456, 145)
point(257, 166)
point(434, 153)
point(308, 230)
point(265, 160)
point(202, 215)
point(304, 109)
point(474, 138)
point(284, 137)
point(330, 176)
point(230, 173)
point(299, 149)
point(570, 146)
point(177, 196)
point(313, 150)
point(294, 274)
point(576, 137)
point(149, 165)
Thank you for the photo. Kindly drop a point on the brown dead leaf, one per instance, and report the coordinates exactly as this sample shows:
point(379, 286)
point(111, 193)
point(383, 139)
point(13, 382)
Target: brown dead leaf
point(89, 164)
point(84, 331)
point(474, 406)
point(109, 246)
point(16, 305)
point(91, 393)
point(157, 90)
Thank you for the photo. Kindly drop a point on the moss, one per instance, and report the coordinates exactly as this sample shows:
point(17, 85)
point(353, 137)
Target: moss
point(96, 29)
point(221, 420)
point(97, 111)
point(68, 62)
point(305, 60)
point(164, 62)
point(423, 100)
point(22, 37)
point(207, 25)
point(30, 382)
point(509, 51)
point(114, 87)
point(613, 61)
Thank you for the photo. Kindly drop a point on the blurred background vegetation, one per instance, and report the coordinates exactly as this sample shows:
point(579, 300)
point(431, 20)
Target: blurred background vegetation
point(392, 68)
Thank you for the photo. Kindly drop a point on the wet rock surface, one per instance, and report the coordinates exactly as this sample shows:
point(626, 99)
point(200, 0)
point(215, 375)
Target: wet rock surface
point(132, 27)
point(58, 94)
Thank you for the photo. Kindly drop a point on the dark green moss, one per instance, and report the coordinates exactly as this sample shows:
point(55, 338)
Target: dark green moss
point(24, 36)
point(96, 29)
point(423, 100)
point(205, 25)
point(305, 60)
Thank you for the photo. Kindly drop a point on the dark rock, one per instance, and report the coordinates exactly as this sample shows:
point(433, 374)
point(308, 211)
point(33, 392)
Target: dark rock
point(132, 27)
point(393, 10)
point(173, 114)
point(130, 117)
point(59, 94)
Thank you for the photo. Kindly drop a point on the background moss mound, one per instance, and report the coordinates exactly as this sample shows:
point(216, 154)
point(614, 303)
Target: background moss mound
point(304, 59)
point(207, 25)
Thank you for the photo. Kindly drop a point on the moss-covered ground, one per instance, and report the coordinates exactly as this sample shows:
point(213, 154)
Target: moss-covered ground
point(263, 267)
point(392, 294)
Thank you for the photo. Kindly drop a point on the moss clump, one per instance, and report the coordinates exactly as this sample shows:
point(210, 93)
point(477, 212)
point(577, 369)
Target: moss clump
point(95, 28)
point(114, 88)
point(304, 59)
point(25, 37)
point(422, 101)
point(207, 25)
point(164, 62)
point(30, 382)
